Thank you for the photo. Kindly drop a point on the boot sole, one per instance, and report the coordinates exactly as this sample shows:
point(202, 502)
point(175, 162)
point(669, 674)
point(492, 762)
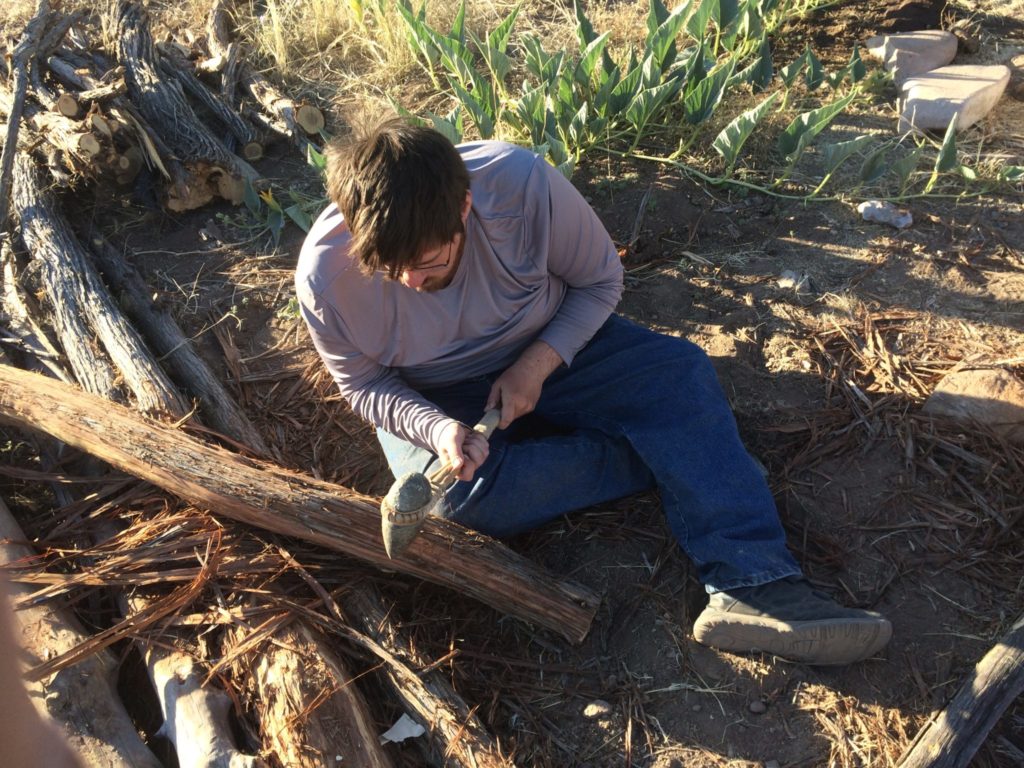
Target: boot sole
point(825, 642)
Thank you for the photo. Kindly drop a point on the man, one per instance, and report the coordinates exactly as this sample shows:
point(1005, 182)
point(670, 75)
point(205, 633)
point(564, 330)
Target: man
point(443, 281)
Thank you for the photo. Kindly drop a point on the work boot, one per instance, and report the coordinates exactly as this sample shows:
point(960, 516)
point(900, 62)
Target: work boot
point(788, 618)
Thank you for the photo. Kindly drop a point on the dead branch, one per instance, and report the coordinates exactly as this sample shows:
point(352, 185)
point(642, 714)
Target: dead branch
point(82, 700)
point(77, 295)
point(162, 101)
point(455, 731)
point(282, 110)
point(951, 739)
point(19, 64)
point(217, 406)
point(292, 504)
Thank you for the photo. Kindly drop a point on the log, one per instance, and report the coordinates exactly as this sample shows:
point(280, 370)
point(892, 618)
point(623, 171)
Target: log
point(281, 109)
point(457, 736)
point(82, 700)
point(309, 710)
point(163, 102)
point(195, 716)
point(217, 406)
point(23, 51)
point(249, 140)
point(291, 504)
point(76, 292)
point(951, 739)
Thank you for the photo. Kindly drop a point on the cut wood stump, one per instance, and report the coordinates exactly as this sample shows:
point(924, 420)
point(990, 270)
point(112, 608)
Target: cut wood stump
point(289, 503)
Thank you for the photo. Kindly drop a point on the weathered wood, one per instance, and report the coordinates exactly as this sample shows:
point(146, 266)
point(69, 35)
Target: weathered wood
point(308, 707)
point(216, 405)
point(281, 109)
point(249, 140)
point(289, 503)
point(163, 102)
point(23, 51)
point(454, 730)
point(951, 739)
point(83, 699)
point(77, 293)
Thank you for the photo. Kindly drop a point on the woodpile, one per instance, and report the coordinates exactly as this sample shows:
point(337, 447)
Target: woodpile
point(252, 661)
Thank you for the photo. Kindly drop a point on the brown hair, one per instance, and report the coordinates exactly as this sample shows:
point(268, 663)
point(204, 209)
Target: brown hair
point(401, 189)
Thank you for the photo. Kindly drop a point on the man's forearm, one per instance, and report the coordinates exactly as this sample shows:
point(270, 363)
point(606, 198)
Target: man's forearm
point(540, 358)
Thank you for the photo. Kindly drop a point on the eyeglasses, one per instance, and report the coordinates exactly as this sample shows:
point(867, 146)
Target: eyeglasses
point(426, 266)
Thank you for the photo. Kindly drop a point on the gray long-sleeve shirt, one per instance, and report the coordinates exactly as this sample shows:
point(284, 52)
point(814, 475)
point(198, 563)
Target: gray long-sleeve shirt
point(537, 264)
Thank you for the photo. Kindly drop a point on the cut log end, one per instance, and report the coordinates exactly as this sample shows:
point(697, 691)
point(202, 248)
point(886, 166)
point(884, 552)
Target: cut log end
point(89, 145)
point(252, 151)
point(310, 118)
point(67, 105)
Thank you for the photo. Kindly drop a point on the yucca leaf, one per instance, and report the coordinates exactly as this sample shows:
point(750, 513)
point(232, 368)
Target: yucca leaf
point(661, 41)
point(700, 103)
point(947, 158)
point(725, 12)
point(697, 23)
point(789, 72)
point(476, 108)
point(459, 24)
point(874, 166)
point(856, 66)
point(588, 61)
point(804, 127)
point(498, 37)
point(837, 154)
point(813, 75)
point(730, 141)
point(762, 70)
point(905, 166)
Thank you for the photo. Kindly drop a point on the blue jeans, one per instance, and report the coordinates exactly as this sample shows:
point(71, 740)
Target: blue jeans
point(635, 410)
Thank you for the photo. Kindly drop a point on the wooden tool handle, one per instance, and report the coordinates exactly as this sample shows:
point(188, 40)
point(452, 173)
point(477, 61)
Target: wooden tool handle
point(486, 426)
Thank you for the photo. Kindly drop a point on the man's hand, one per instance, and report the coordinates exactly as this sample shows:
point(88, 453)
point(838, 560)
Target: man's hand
point(463, 448)
point(517, 390)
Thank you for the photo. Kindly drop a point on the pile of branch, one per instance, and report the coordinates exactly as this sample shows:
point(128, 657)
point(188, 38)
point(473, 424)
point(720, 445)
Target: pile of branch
point(225, 620)
point(172, 112)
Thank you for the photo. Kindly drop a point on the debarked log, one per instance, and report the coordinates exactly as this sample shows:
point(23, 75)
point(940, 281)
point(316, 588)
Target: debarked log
point(950, 739)
point(292, 504)
point(82, 700)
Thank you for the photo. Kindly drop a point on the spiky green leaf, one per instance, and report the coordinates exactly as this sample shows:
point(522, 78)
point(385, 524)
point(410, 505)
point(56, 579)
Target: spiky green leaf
point(804, 127)
point(700, 103)
point(947, 157)
point(730, 141)
point(856, 66)
point(837, 154)
point(814, 75)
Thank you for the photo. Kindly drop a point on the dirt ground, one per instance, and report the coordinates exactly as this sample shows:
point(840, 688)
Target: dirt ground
point(884, 508)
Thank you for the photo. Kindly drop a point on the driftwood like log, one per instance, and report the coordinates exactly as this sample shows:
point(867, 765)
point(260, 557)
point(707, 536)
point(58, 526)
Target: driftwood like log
point(456, 734)
point(282, 110)
point(292, 504)
point(951, 739)
point(164, 105)
point(23, 52)
point(175, 66)
point(218, 408)
point(310, 711)
point(77, 292)
point(82, 699)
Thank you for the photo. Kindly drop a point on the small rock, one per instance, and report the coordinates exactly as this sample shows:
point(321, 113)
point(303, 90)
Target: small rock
point(994, 397)
point(965, 91)
point(790, 280)
point(913, 53)
point(696, 707)
point(757, 707)
point(885, 212)
point(597, 708)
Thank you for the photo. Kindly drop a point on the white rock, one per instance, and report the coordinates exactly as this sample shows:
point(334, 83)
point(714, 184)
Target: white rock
point(968, 91)
point(885, 212)
point(795, 281)
point(994, 397)
point(913, 53)
point(597, 708)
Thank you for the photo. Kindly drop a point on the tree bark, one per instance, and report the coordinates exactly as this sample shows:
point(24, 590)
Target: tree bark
point(457, 736)
point(292, 504)
point(77, 292)
point(281, 109)
point(309, 709)
point(951, 739)
point(82, 699)
point(218, 408)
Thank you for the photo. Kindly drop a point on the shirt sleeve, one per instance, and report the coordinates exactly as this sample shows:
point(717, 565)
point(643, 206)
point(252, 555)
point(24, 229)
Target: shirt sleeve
point(374, 391)
point(564, 228)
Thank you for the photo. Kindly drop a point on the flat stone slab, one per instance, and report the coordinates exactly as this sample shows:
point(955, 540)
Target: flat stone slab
point(967, 91)
point(913, 53)
point(994, 397)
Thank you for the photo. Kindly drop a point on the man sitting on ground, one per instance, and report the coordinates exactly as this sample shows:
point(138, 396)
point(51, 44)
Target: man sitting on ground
point(443, 281)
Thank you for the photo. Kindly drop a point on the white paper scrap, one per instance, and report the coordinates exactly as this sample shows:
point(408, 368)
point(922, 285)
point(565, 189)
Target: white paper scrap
point(405, 728)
